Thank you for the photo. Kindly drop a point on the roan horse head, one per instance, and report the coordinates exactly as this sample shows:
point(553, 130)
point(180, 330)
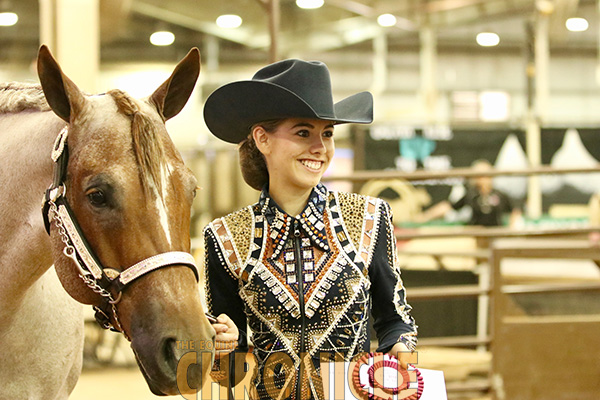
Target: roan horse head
point(131, 195)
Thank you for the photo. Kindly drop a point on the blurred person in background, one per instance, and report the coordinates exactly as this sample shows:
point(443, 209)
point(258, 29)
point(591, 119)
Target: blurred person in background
point(488, 206)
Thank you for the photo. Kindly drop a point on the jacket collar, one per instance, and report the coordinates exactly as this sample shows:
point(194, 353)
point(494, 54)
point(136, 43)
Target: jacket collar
point(310, 221)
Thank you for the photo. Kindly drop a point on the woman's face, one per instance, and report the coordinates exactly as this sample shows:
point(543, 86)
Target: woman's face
point(297, 153)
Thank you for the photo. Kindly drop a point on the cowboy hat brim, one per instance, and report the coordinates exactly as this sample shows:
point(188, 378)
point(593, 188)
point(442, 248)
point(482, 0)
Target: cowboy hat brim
point(231, 110)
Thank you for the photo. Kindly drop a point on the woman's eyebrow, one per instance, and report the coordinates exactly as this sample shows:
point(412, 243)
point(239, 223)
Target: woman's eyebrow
point(309, 125)
point(304, 125)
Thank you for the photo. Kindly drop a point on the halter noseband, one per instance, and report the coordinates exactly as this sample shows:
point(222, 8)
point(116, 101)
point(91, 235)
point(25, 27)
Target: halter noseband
point(102, 280)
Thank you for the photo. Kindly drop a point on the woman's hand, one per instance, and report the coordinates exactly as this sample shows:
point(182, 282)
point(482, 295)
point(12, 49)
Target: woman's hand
point(227, 336)
point(403, 354)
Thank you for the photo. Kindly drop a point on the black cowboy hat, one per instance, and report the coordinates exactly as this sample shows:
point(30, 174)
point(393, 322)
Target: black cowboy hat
point(285, 89)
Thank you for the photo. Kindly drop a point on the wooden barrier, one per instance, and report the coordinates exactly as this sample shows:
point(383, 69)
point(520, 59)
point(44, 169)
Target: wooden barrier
point(543, 356)
point(423, 175)
point(568, 245)
point(493, 233)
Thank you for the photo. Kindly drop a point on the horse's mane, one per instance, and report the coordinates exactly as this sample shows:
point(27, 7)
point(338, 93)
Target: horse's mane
point(17, 96)
point(147, 146)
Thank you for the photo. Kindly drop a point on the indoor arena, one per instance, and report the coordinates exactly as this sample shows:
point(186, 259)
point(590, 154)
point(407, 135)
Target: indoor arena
point(300, 199)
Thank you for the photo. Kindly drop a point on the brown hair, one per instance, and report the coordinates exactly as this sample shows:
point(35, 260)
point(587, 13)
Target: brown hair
point(252, 162)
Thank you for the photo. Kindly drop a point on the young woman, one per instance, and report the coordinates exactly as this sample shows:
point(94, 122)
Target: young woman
point(303, 267)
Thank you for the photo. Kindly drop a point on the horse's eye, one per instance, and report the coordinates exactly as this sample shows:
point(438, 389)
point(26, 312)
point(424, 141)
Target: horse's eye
point(97, 198)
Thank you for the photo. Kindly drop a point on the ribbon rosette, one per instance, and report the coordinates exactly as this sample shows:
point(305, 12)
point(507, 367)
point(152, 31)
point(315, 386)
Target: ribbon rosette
point(378, 376)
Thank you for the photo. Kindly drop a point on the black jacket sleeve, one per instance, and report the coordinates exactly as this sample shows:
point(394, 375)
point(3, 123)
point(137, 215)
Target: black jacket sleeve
point(392, 320)
point(223, 298)
point(222, 288)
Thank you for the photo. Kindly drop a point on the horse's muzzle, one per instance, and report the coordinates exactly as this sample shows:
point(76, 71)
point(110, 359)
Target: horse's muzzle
point(175, 364)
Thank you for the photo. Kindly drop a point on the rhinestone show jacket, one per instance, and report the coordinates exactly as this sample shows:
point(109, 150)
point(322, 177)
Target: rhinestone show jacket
point(306, 285)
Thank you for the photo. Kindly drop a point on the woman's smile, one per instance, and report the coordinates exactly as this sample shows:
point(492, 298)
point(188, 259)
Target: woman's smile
point(297, 155)
point(312, 165)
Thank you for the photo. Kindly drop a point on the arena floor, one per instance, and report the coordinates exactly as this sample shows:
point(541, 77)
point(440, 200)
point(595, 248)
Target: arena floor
point(126, 382)
point(112, 383)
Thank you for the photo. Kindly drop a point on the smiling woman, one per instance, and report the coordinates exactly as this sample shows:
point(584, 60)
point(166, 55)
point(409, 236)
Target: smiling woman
point(303, 266)
point(296, 153)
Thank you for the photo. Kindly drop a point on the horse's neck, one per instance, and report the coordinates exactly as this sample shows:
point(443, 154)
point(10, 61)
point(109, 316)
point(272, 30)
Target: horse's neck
point(26, 142)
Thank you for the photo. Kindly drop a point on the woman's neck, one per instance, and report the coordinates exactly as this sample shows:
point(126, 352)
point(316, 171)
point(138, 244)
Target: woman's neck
point(292, 202)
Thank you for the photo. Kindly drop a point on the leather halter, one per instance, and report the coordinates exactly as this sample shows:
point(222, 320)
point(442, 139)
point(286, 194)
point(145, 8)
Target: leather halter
point(102, 280)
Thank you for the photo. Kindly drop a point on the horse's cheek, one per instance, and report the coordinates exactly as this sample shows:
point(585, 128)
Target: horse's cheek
point(68, 274)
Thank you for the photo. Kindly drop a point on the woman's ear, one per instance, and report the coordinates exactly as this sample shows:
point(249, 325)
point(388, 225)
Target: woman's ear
point(261, 139)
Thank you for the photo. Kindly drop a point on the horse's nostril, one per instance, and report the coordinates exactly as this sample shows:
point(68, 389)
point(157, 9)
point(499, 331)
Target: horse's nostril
point(169, 354)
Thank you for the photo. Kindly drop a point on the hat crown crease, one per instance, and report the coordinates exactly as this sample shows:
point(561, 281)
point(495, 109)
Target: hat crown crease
point(308, 80)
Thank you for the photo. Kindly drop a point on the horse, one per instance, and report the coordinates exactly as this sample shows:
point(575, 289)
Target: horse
point(117, 202)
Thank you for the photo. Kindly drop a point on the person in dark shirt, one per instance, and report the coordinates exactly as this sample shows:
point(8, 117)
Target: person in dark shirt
point(488, 205)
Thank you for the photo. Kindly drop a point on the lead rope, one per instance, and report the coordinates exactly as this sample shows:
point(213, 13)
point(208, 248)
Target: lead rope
point(70, 252)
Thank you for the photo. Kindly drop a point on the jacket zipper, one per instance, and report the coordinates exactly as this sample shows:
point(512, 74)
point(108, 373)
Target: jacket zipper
point(299, 277)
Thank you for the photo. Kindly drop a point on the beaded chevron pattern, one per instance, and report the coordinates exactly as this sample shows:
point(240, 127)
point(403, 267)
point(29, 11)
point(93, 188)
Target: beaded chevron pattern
point(336, 236)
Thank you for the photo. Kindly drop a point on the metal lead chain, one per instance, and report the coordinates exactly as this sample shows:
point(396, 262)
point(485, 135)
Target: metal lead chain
point(90, 282)
point(68, 250)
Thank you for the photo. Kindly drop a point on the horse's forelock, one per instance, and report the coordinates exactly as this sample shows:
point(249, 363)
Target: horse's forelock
point(147, 146)
point(17, 96)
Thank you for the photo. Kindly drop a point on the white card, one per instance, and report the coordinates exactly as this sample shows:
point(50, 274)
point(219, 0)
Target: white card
point(434, 385)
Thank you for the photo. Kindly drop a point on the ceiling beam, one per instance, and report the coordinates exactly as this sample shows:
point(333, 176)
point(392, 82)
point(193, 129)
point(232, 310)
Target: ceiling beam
point(371, 13)
point(335, 35)
point(240, 35)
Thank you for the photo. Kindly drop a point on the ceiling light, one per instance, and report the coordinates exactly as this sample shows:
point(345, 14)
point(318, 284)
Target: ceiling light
point(546, 7)
point(577, 24)
point(309, 4)
point(8, 18)
point(386, 20)
point(488, 39)
point(229, 21)
point(162, 38)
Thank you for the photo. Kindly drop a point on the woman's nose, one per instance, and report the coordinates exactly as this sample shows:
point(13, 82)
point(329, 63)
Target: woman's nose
point(317, 145)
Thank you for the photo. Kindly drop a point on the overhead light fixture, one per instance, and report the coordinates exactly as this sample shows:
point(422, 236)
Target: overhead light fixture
point(162, 38)
point(229, 21)
point(487, 39)
point(546, 7)
point(577, 24)
point(310, 4)
point(386, 20)
point(8, 18)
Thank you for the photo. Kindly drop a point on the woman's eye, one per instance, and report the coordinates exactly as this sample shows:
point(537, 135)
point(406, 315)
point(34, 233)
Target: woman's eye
point(97, 198)
point(303, 133)
point(328, 134)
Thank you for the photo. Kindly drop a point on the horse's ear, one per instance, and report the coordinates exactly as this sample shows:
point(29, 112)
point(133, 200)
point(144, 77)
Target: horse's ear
point(63, 96)
point(172, 95)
